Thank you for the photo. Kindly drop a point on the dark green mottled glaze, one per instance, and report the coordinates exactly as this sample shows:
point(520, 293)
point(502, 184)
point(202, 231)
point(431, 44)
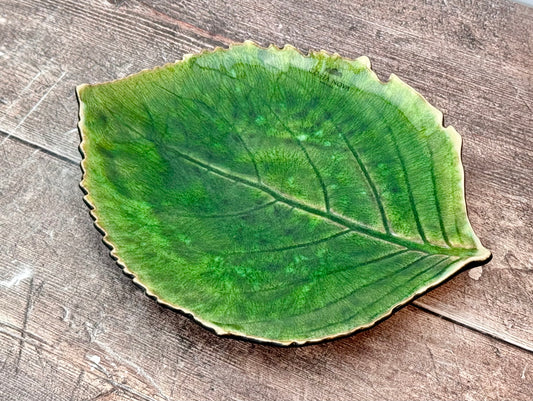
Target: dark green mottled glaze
point(277, 196)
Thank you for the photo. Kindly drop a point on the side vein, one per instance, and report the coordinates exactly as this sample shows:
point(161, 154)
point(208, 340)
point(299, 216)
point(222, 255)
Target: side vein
point(317, 173)
point(222, 216)
point(333, 217)
point(409, 189)
point(301, 145)
point(294, 283)
point(436, 197)
point(390, 292)
point(355, 290)
point(295, 246)
point(377, 198)
point(213, 112)
point(250, 154)
point(313, 166)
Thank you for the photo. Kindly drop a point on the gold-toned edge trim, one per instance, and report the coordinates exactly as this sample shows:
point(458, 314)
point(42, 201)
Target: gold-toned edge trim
point(484, 254)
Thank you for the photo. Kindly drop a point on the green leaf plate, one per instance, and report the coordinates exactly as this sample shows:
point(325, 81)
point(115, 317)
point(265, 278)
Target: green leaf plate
point(272, 195)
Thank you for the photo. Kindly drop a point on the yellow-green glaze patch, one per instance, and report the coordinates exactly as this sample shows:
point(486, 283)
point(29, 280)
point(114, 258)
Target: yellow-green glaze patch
point(277, 196)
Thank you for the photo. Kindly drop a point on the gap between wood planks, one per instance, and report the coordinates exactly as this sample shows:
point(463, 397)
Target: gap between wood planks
point(502, 337)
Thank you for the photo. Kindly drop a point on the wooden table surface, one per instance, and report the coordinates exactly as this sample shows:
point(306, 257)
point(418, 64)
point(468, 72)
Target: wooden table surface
point(73, 327)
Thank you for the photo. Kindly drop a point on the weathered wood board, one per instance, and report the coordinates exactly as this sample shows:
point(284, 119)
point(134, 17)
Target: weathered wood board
point(73, 327)
point(77, 328)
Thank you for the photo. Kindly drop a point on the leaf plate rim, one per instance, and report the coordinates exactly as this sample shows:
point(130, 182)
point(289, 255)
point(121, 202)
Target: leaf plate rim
point(483, 256)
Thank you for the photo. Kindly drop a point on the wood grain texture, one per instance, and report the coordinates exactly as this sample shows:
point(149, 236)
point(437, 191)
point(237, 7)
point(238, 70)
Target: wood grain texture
point(76, 327)
point(73, 327)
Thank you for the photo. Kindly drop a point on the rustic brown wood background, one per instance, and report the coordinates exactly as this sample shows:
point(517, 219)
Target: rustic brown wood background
point(73, 327)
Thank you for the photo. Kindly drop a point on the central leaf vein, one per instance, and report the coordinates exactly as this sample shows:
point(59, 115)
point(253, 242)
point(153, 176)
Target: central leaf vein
point(331, 216)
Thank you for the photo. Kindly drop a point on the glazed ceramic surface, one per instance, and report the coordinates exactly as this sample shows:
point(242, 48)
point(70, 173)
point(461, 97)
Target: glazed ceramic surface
point(283, 197)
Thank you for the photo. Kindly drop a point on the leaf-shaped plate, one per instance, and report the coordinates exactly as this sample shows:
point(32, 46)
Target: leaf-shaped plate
point(273, 195)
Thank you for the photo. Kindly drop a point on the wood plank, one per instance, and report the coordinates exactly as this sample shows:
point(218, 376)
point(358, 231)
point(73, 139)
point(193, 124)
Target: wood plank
point(74, 327)
point(50, 47)
point(476, 67)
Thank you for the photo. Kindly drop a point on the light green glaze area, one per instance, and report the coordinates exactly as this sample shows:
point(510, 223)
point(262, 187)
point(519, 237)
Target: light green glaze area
point(273, 195)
